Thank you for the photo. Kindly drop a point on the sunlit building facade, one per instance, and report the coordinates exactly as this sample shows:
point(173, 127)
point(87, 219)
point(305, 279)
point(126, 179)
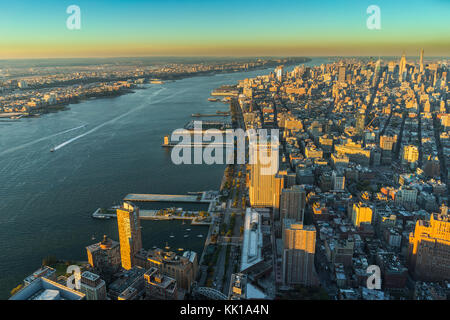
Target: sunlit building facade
point(129, 233)
point(429, 248)
point(265, 184)
point(361, 213)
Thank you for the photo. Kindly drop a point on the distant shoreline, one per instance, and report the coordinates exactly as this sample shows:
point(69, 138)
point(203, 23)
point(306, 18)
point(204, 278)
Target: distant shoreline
point(63, 106)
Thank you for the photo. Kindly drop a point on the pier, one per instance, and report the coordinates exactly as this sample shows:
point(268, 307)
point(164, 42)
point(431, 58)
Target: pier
point(199, 115)
point(153, 215)
point(217, 114)
point(168, 213)
point(134, 197)
point(202, 144)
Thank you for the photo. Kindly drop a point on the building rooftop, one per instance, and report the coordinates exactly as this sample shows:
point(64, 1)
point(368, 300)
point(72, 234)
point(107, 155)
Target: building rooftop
point(45, 289)
point(90, 276)
point(126, 279)
point(45, 271)
point(253, 240)
point(155, 278)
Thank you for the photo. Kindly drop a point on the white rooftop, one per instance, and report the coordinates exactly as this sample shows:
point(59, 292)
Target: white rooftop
point(252, 244)
point(254, 293)
point(48, 294)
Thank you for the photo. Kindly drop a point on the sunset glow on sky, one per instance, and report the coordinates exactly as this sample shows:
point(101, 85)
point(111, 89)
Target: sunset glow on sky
point(32, 29)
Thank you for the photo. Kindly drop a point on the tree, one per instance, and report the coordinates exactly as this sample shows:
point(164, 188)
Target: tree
point(49, 261)
point(223, 227)
point(203, 214)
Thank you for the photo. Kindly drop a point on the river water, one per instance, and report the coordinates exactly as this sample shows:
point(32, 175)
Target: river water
point(105, 149)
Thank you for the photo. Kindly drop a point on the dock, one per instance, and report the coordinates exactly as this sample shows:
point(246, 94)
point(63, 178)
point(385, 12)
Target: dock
point(207, 197)
point(197, 115)
point(153, 215)
point(202, 144)
point(134, 197)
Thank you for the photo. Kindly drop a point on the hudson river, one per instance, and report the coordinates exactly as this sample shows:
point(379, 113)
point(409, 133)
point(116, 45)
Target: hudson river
point(109, 148)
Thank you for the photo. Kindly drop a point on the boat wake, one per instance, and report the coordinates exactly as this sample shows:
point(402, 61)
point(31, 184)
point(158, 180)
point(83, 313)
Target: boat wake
point(39, 140)
point(114, 120)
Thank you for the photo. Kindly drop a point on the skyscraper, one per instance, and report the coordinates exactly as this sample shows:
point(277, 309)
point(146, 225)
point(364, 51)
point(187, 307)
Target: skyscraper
point(298, 255)
point(429, 248)
point(376, 72)
point(421, 60)
point(279, 73)
point(292, 203)
point(265, 183)
point(402, 67)
point(378, 66)
point(341, 76)
point(129, 233)
point(360, 122)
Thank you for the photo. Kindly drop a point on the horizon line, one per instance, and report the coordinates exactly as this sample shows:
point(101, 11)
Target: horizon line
point(212, 56)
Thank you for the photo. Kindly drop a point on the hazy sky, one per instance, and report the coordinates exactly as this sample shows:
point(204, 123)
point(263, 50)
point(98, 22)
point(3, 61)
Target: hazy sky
point(37, 29)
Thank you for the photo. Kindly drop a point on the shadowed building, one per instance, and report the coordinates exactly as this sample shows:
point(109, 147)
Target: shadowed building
point(92, 286)
point(129, 285)
point(360, 122)
point(182, 268)
point(432, 167)
point(298, 254)
point(104, 256)
point(292, 203)
point(159, 286)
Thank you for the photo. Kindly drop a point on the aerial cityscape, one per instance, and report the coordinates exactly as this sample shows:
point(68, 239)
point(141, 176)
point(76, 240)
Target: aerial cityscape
point(174, 172)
